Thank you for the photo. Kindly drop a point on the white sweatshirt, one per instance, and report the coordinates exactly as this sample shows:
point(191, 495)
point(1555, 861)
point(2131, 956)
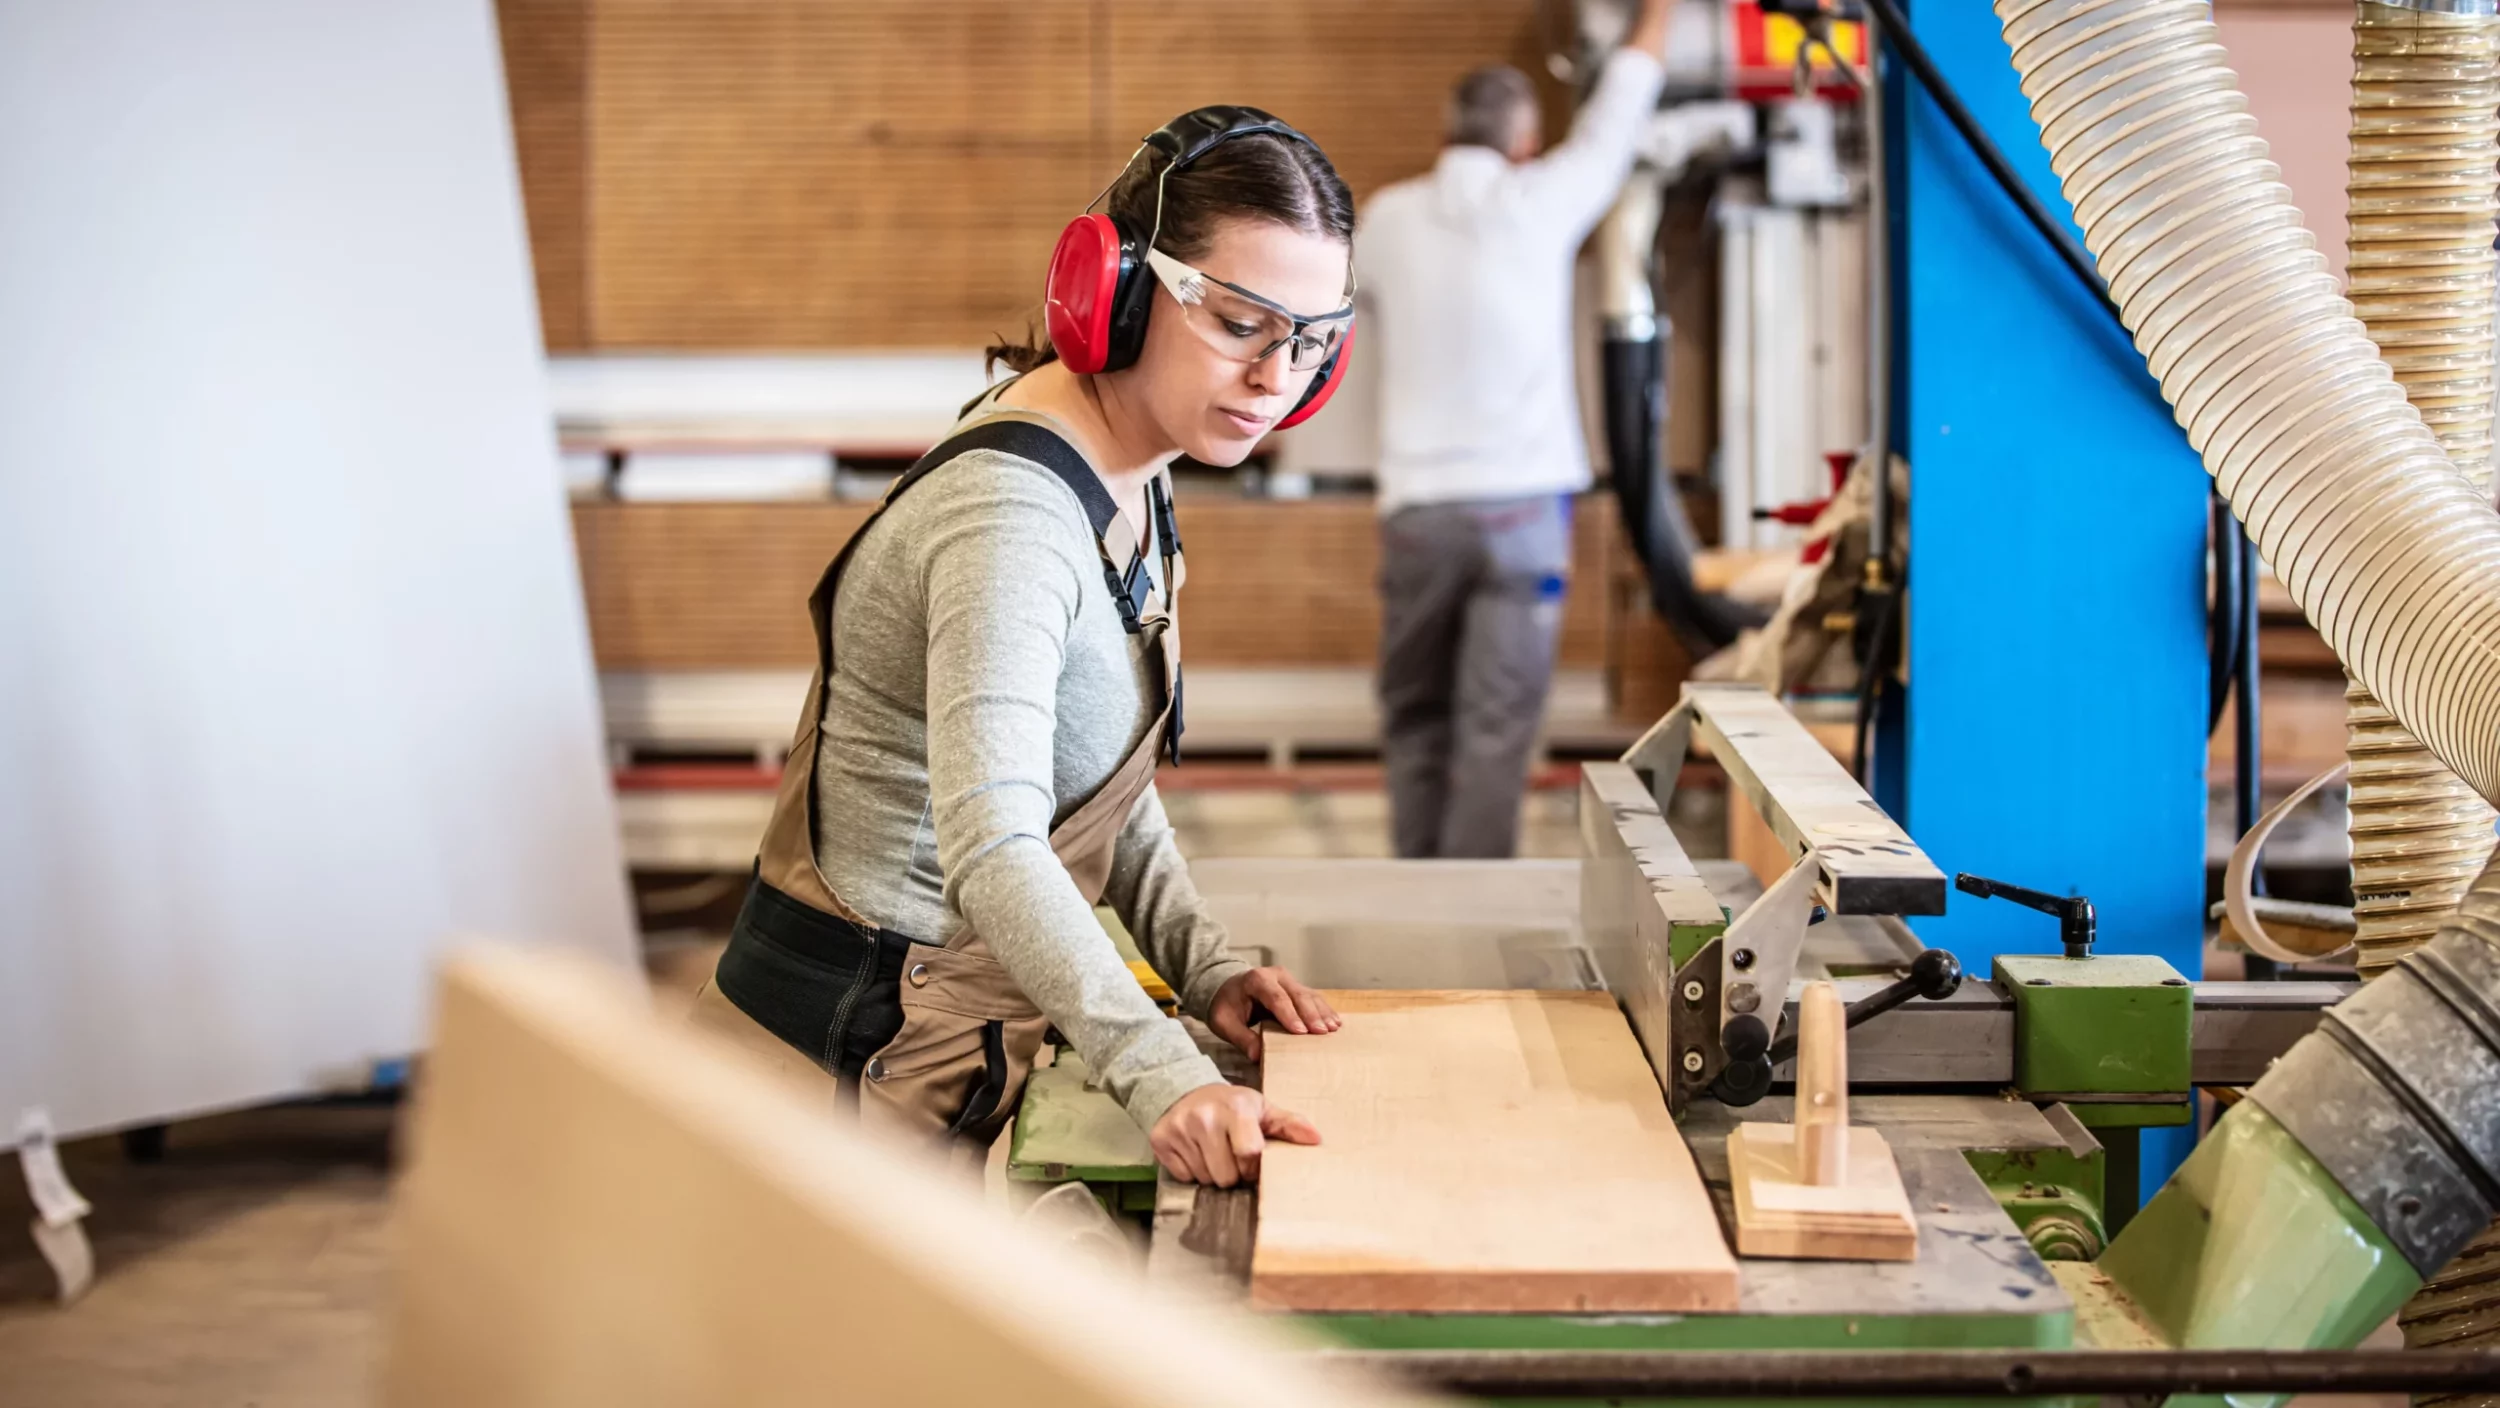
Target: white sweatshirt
point(1465, 276)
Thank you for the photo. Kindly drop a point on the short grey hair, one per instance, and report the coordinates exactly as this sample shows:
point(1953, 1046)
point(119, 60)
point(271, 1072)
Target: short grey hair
point(1490, 106)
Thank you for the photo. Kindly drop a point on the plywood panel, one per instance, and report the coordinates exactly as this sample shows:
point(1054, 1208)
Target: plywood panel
point(1297, 583)
point(705, 586)
point(546, 60)
point(1370, 82)
point(724, 586)
point(602, 1207)
point(1504, 1152)
point(805, 173)
point(891, 173)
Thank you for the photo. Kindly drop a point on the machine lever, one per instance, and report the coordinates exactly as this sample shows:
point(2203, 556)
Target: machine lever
point(2076, 923)
point(1935, 975)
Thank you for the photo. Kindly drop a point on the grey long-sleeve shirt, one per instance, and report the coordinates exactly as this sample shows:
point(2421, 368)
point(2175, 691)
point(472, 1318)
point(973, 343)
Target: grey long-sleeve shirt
point(983, 688)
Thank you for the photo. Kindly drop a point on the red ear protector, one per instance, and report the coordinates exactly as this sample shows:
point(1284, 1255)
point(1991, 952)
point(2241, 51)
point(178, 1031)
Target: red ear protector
point(1099, 292)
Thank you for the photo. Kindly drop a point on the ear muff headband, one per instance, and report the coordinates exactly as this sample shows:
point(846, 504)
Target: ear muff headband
point(1098, 294)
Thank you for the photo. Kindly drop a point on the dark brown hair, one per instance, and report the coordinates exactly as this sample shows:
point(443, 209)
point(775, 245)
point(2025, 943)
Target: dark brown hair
point(1259, 177)
point(1490, 106)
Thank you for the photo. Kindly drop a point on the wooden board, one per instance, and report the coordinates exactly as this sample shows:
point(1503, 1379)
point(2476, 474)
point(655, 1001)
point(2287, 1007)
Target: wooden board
point(605, 1208)
point(1502, 1152)
point(1867, 1218)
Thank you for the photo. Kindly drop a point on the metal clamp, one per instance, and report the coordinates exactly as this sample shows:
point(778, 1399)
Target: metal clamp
point(1810, 802)
point(1845, 853)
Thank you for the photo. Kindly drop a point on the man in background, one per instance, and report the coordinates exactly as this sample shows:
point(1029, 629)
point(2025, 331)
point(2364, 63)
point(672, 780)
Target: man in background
point(1466, 282)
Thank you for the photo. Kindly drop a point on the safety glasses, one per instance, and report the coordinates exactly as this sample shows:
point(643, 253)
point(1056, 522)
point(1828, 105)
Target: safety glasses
point(1245, 327)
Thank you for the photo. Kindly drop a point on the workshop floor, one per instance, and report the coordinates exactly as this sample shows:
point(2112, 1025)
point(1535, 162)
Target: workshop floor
point(249, 1267)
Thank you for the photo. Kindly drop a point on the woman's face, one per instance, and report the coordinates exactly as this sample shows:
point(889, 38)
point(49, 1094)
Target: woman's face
point(1206, 400)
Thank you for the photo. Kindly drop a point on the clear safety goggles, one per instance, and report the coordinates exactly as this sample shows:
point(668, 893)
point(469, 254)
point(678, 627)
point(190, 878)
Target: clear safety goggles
point(1245, 327)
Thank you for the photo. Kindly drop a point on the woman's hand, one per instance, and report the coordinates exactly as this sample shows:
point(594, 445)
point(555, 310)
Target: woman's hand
point(1296, 1008)
point(1215, 1133)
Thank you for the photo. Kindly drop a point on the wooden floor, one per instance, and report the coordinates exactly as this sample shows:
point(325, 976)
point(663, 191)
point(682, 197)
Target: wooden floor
point(246, 1268)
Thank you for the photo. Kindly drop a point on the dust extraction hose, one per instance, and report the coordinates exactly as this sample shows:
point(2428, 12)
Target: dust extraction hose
point(2425, 143)
point(2389, 551)
point(2425, 140)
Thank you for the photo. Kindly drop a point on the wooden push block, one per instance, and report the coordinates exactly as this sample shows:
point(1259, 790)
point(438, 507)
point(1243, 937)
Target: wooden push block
point(1821, 1188)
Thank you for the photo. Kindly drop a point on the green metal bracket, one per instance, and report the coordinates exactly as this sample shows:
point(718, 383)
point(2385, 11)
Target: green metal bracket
point(2055, 1195)
point(1686, 939)
point(2089, 1032)
point(1067, 1132)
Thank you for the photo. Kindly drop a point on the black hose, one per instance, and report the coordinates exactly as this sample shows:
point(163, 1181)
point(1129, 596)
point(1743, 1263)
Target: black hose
point(2225, 629)
point(1652, 511)
point(2060, 236)
point(2248, 764)
point(1880, 638)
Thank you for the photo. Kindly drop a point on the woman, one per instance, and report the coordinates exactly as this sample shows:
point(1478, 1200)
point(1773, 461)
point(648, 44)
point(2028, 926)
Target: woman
point(999, 670)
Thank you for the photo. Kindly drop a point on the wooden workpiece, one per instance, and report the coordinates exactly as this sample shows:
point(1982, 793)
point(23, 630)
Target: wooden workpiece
point(1497, 1152)
point(1820, 1188)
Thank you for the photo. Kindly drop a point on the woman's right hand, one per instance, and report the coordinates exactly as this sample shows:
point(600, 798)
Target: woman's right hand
point(1215, 1133)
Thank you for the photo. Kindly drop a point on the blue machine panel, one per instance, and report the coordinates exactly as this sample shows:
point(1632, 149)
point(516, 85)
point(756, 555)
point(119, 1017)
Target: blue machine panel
point(2055, 719)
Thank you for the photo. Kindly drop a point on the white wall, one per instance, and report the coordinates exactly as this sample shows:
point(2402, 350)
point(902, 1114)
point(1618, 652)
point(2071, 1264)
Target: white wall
point(294, 682)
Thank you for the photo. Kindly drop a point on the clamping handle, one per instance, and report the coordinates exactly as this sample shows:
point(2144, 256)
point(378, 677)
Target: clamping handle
point(1935, 975)
point(2076, 922)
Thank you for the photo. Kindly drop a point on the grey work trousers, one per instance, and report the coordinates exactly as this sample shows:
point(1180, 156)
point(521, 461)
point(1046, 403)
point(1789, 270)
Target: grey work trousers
point(1471, 601)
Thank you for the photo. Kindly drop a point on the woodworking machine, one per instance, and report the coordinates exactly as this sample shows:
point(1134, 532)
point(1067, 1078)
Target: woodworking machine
point(2066, 195)
point(2011, 1102)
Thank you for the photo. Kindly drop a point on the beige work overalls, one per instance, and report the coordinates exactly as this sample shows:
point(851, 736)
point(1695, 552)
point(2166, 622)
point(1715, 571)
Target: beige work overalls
point(968, 1035)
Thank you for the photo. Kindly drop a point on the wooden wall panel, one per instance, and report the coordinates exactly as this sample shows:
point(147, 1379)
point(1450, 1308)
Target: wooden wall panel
point(806, 173)
point(771, 174)
point(1296, 583)
point(1370, 81)
point(684, 586)
point(546, 60)
point(693, 586)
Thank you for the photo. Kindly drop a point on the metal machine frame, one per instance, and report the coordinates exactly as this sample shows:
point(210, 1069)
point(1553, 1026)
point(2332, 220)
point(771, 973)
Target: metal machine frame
point(2015, 1178)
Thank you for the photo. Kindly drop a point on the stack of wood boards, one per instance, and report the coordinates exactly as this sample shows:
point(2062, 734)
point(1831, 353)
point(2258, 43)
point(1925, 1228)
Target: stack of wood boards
point(1499, 1152)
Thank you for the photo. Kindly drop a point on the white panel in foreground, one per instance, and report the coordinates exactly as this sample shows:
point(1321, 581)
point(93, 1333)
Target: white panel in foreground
point(294, 681)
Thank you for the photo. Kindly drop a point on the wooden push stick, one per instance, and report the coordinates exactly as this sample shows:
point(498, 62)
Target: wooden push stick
point(1822, 1088)
point(1820, 1187)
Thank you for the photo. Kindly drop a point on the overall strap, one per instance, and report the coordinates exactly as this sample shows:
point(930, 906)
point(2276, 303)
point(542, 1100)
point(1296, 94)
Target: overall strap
point(1010, 434)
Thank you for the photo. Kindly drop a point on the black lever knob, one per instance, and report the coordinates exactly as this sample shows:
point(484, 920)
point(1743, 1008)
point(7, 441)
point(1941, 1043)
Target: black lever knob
point(1935, 975)
point(2076, 923)
point(1744, 1037)
point(1743, 1082)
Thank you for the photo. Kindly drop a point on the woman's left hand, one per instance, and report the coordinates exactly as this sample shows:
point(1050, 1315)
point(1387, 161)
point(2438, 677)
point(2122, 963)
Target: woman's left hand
point(1296, 1008)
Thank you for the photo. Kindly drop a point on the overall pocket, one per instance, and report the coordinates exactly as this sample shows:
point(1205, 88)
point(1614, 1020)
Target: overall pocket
point(957, 1066)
